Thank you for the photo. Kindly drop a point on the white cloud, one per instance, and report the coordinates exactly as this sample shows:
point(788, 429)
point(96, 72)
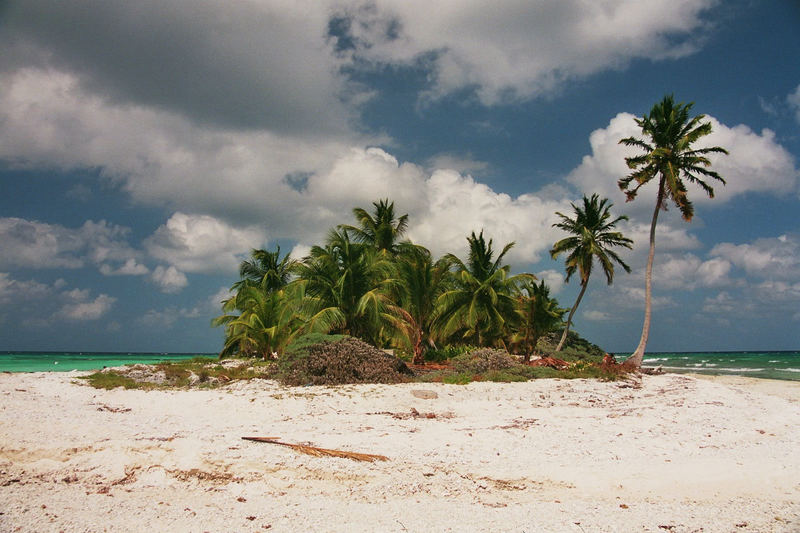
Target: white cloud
point(79, 307)
point(519, 49)
point(169, 280)
point(129, 268)
point(772, 258)
point(756, 163)
point(553, 279)
point(32, 244)
point(201, 243)
point(688, 272)
point(597, 316)
point(13, 292)
point(794, 102)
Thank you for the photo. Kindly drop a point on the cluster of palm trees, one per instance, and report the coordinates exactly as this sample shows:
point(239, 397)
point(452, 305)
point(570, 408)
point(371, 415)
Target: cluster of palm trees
point(367, 282)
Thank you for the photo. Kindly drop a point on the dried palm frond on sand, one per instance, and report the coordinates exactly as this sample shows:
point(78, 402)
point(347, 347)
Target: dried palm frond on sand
point(320, 452)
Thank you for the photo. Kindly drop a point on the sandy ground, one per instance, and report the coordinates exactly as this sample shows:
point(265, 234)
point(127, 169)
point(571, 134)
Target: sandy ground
point(678, 454)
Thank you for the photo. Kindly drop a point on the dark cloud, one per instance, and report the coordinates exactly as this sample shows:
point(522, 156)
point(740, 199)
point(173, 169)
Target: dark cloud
point(235, 65)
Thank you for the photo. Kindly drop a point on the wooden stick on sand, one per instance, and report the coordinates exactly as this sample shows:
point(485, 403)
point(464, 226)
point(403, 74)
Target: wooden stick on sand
point(319, 452)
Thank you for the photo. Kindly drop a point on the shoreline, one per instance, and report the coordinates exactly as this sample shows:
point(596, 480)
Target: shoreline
point(680, 452)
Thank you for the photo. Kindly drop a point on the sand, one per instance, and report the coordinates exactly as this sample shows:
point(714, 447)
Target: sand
point(678, 454)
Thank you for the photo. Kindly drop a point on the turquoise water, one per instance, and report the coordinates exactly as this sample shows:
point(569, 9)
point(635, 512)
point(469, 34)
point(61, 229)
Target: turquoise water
point(767, 365)
point(67, 361)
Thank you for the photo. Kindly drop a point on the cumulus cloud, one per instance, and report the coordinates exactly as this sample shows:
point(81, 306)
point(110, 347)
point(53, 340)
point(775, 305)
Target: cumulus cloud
point(553, 279)
point(79, 307)
point(688, 272)
point(169, 279)
point(518, 50)
point(245, 65)
point(775, 258)
point(201, 243)
point(32, 244)
point(756, 163)
point(129, 268)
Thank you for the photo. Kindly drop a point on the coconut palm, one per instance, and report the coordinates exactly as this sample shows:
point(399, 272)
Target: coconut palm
point(537, 314)
point(347, 286)
point(591, 238)
point(265, 269)
point(481, 303)
point(266, 322)
point(420, 281)
point(381, 230)
point(671, 157)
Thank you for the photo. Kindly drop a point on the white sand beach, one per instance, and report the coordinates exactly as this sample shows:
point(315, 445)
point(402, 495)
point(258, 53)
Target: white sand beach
point(678, 454)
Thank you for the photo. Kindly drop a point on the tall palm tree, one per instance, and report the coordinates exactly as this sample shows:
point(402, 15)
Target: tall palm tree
point(671, 157)
point(347, 286)
point(481, 303)
point(420, 281)
point(591, 239)
point(381, 230)
point(537, 314)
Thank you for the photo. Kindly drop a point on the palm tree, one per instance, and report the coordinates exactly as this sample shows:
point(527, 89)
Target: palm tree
point(347, 286)
point(381, 230)
point(537, 314)
point(265, 269)
point(481, 303)
point(420, 281)
point(266, 322)
point(670, 156)
point(591, 239)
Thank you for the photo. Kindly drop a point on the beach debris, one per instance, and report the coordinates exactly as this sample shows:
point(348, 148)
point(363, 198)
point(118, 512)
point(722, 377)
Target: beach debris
point(104, 407)
point(552, 362)
point(320, 452)
point(424, 394)
point(413, 413)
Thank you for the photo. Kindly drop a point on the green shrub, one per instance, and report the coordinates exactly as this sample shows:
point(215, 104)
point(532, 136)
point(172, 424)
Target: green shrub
point(439, 355)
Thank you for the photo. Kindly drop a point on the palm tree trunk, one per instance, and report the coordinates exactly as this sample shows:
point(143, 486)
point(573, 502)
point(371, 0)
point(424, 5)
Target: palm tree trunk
point(635, 360)
point(584, 284)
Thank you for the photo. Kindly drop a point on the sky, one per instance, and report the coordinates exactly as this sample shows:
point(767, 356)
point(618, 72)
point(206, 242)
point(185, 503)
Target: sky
point(146, 147)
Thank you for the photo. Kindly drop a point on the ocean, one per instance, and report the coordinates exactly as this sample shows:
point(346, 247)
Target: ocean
point(68, 361)
point(767, 365)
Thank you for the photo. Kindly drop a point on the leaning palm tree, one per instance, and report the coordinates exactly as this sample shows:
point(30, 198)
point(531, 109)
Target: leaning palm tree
point(479, 307)
point(591, 238)
point(381, 230)
point(670, 156)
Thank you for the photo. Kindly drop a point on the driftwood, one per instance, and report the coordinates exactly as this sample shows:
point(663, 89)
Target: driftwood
point(320, 452)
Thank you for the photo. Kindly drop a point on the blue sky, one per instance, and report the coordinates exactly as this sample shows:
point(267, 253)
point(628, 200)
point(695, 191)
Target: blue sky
point(146, 147)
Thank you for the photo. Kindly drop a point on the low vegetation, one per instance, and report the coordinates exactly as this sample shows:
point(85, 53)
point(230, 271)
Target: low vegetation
point(330, 360)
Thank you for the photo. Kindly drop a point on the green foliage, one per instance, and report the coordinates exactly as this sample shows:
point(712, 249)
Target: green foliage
point(669, 154)
point(439, 355)
point(365, 283)
point(111, 380)
point(480, 305)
